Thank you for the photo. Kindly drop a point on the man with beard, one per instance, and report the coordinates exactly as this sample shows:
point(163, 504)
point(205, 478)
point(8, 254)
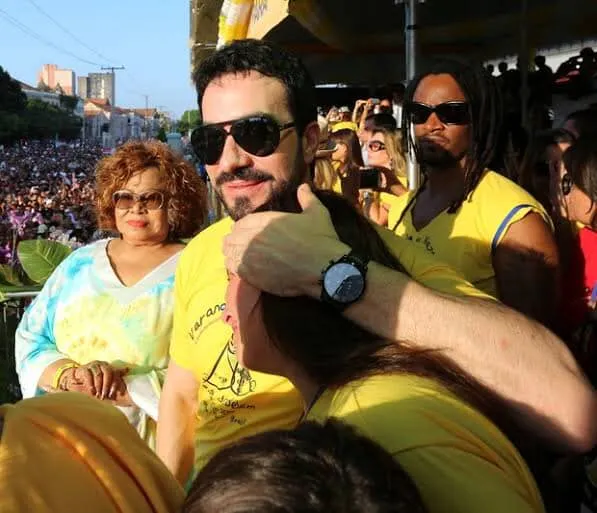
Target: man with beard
point(258, 142)
point(484, 226)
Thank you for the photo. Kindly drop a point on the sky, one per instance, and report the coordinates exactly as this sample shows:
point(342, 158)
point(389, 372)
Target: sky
point(150, 38)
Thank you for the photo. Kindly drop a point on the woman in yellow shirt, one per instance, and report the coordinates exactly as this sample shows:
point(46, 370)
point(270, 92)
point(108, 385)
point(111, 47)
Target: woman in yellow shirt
point(416, 404)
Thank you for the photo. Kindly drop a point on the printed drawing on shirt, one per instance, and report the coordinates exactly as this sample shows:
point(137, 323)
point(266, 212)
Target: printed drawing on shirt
point(228, 374)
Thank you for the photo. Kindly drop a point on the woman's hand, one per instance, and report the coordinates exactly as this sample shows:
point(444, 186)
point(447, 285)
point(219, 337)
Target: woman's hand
point(98, 379)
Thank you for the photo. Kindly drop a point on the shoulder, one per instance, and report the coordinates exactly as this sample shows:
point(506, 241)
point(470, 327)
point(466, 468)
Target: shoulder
point(426, 269)
point(493, 186)
point(212, 234)
point(500, 203)
point(208, 242)
point(425, 410)
point(85, 255)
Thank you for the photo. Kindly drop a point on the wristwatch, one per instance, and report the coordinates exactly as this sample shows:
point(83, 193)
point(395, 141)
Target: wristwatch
point(343, 281)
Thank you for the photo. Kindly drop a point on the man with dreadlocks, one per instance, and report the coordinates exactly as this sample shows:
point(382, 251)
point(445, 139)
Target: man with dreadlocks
point(483, 225)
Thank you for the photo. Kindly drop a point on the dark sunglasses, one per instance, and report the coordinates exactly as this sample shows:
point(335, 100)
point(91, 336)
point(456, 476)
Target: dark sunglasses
point(125, 200)
point(257, 135)
point(450, 113)
point(567, 184)
point(376, 146)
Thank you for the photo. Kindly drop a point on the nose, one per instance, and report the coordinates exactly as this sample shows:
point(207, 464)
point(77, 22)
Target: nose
point(227, 315)
point(138, 207)
point(233, 156)
point(433, 123)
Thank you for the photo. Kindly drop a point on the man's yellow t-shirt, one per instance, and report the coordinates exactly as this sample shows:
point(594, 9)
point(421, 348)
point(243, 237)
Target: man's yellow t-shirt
point(459, 460)
point(467, 239)
point(235, 402)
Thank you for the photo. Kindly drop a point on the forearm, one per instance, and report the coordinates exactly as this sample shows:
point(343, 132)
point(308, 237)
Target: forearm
point(47, 376)
point(176, 435)
point(521, 361)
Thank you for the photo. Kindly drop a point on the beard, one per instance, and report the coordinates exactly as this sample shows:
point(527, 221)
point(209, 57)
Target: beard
point(283, 196)
point(432, 156)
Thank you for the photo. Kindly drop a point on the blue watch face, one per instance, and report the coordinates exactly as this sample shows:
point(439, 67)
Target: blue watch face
point(343, 282)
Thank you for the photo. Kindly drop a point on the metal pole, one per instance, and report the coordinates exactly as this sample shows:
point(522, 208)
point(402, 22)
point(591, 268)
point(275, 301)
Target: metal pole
point(523, 59)
point(410, 44)
point(410, 21)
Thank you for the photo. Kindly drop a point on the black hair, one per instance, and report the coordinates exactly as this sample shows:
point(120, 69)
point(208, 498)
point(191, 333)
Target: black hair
point(314, 468)
point(485, 109)
point(383, 120)
point(271, 60)
point(585, 121)
point(580, 161)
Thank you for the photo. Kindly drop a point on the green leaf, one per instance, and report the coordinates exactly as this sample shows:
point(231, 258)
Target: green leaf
point(9, 275)
point(6, 290)
point(40, 257)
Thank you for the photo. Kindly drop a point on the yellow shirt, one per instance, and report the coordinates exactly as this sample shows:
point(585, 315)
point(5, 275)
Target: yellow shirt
point(235, 402)
point(459, 460)
point(467, 239)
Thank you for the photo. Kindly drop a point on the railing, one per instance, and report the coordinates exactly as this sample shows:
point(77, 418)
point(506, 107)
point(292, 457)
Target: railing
point(11, 312)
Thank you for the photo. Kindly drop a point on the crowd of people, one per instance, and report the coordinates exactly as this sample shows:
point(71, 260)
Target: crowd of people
point(47, 192)
point(345, 339)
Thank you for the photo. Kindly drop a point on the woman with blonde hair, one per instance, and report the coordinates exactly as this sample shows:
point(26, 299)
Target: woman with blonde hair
point(384, 151)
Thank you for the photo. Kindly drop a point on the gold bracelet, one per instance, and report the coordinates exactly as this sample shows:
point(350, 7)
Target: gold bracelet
point(60, 371)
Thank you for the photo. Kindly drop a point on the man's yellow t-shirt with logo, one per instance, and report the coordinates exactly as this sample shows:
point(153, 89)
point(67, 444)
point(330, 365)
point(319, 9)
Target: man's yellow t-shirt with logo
point(467, 239)
point(459, 460)
point(235, 402)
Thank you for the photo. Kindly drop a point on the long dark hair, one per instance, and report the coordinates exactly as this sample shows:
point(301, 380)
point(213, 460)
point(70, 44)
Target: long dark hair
point(485, 110)
point(333, 350)
point(580, 161)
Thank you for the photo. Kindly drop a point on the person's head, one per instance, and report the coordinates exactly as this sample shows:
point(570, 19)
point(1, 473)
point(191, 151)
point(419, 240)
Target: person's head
point(70, 452)
point(490, 68)
point(314, 468)
point(540, 166)
point(385, 149)
point(582, 123)
point(348, 149)
point(457, 119)
point(375, 122)
point(503, 67)
point(578, 183)
point(259, 133)
point(147, 193)
point(539, 61)
point(345, 114)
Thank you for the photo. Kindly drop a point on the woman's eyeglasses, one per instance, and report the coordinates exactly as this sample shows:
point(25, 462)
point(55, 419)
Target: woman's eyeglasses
point(450, 113)
point(257, 135)
point(376, 146)
point(125, 200)
point(567, 184)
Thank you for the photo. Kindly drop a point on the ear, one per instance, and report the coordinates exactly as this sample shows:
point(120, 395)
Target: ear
point(310, 141)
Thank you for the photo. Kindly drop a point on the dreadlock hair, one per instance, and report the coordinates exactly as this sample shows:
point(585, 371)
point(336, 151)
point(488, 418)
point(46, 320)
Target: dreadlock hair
point(485, 111)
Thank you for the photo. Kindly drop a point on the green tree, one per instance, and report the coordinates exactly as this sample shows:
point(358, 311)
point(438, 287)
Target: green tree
point(68, 103)
point(189, 120)
point(162, 135)
point(12, 98)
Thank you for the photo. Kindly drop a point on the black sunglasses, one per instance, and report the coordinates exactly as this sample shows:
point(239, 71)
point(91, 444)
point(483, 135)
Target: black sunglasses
point(450, 113)
point(257, 135)
point(567, 184)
